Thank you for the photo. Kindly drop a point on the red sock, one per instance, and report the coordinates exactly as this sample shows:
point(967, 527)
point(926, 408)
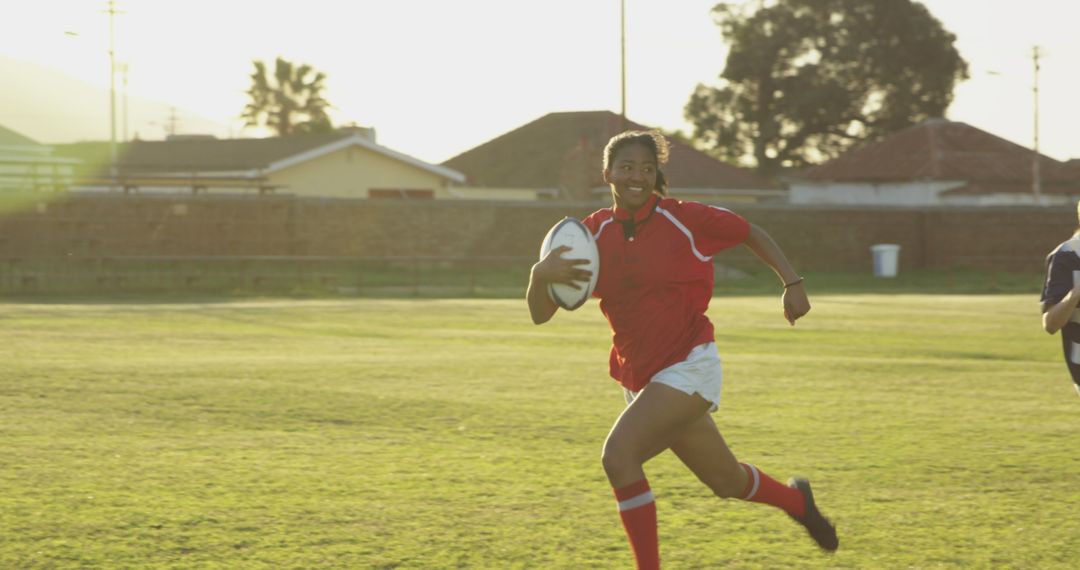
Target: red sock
point(760, 488)
point(637, 509)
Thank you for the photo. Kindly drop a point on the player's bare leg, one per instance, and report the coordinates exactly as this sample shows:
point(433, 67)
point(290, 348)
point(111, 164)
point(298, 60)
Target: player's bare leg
point(705, 452)
point(652, 423)
point(656, 418)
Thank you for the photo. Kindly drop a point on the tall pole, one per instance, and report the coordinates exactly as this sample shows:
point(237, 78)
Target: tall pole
point(622, 44)
point(170, 124)
point(1036, 177)
point(112, 93)
point(124, 114)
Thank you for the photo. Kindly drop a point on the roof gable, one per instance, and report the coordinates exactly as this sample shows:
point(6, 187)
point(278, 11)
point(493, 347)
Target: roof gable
point(10, 138)
point(363, 142)
point(234, 156)
point(565, 150)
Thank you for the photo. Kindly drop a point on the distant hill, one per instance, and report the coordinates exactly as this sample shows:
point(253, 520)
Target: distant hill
point(51, 107)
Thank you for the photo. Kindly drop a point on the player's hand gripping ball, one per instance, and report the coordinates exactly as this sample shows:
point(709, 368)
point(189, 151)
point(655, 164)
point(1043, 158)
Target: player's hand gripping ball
point(573, 234)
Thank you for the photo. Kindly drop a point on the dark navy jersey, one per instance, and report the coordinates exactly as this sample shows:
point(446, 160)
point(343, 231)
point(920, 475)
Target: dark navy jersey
point(1062, 273)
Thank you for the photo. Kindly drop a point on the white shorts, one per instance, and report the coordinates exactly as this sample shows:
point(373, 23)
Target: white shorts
point(699, 374)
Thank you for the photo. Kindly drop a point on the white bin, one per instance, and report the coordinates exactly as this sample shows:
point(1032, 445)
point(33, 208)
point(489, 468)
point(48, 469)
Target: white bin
point(886, 259)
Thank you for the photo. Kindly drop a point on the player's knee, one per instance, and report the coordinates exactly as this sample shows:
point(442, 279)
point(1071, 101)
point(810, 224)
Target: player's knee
point(617, 457)
point(726, 489)
point(728, 484)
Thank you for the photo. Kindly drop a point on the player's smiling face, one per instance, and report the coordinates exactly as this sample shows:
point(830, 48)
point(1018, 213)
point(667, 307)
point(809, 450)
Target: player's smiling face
point(632, 176)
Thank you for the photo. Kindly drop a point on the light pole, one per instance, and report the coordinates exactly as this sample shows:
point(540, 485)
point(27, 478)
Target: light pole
point(124, 105)
point(113, 174)
point(1036, 176)
point(622, 54)
point(1036, 172)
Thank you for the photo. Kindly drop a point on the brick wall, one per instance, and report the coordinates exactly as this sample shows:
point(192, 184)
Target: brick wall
point(815, 238)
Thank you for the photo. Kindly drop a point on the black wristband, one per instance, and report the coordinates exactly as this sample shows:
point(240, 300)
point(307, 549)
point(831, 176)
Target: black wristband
point(794, 283)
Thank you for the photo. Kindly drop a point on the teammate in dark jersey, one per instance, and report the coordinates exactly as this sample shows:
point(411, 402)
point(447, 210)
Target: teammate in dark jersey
point(654, 287)
point(1060, 297)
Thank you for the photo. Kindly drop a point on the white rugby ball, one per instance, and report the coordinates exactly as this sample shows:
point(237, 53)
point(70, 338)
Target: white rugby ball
point(571, 232)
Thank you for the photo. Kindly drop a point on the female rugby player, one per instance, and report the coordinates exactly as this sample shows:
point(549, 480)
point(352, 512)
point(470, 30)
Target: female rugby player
point(654, 289)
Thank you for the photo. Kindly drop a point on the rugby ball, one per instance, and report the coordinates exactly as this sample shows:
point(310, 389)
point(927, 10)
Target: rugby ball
point(571, 232)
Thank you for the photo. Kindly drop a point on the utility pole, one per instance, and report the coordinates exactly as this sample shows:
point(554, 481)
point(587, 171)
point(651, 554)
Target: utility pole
point(622, 44)
point(124, 114)
point(112, 12)
point(1036, 176)
point(171, 122)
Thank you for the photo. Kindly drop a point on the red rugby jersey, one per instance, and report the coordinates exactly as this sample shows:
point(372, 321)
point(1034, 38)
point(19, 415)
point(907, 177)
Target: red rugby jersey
point(655, 285)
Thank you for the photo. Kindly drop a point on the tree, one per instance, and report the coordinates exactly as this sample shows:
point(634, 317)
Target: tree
point(290, 102)
point(805, 80)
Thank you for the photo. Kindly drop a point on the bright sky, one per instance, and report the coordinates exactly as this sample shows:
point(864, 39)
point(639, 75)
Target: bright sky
point(438, 77)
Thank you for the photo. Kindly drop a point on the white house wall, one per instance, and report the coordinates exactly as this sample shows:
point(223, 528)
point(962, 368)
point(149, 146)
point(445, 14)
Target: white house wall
point(925, 193)
point(1010, 199)
point(15, 175)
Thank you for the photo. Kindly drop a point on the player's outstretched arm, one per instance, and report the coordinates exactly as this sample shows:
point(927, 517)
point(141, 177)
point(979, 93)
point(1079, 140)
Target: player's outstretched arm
point(541, 307)
point(1059, 314)
point(552, 269)
point(796, 304)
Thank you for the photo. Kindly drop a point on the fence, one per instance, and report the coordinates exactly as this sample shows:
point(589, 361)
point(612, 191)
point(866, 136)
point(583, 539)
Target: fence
point(413, 276)
point(117, 242)
point(504, 276)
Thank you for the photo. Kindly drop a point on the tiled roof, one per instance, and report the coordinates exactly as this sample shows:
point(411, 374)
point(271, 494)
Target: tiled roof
point(938, 149)
point(1072, 170)
point(565, 150)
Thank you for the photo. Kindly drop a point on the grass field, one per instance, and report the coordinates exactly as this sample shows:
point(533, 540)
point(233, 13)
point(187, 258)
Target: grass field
point(940, 431)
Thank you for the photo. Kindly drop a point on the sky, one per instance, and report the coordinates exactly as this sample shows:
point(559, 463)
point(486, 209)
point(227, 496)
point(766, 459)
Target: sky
point(436, 78)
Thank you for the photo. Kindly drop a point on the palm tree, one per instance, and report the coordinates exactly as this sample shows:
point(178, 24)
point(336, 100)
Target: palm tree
point(290, 102)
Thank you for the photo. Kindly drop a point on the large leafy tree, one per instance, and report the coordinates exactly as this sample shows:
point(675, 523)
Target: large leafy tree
point(288, 102)
point(806, 80)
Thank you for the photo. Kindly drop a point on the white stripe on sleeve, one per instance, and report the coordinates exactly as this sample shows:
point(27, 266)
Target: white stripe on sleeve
point(685, 230)
point(600, 230)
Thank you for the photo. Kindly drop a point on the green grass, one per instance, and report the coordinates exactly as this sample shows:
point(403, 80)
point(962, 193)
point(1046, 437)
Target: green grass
point(939, 431)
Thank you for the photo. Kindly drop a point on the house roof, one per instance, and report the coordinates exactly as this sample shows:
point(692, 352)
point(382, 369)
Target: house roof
point(1072, 170)
point(939, 149)
point(235, 157)
point(16, 148)
point(9, 137)
point(565, 150)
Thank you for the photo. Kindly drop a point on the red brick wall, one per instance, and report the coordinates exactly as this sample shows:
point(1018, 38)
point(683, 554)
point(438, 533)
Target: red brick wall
point(814, 238)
